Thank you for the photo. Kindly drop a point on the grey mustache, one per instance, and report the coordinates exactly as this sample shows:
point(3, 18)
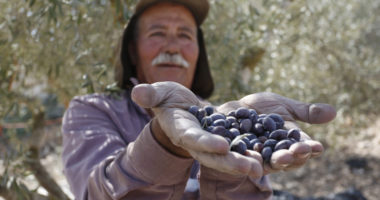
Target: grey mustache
point(165, 58)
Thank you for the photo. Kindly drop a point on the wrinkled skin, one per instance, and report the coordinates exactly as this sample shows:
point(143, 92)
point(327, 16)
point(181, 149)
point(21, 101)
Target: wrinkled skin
point(180, 132)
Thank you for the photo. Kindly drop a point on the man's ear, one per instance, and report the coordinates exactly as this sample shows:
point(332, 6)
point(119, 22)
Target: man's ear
point(132, 50)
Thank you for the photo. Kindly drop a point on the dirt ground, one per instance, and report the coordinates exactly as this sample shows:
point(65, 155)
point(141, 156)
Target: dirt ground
point(355, 164)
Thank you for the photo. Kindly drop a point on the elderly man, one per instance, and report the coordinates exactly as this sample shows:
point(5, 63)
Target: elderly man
point(144, 145)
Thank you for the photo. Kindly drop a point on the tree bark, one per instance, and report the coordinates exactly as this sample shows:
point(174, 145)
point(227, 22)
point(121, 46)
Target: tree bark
point(43, 177)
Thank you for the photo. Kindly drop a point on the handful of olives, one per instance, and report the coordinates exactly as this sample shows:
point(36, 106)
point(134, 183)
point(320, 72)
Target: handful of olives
point(244, 129)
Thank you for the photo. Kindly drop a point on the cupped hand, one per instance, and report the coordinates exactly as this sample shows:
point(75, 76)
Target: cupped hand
point(180, 132)
point(291, 110)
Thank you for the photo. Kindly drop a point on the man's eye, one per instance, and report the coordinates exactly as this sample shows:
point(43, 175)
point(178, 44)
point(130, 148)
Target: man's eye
point(185, 36)
point(157, 34)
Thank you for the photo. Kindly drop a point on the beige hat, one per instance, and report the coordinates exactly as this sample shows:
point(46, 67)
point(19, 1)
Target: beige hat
point(199, 8)
point(203, 84)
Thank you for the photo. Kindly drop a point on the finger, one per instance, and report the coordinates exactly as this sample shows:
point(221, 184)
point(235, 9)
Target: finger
point(316, 148)
point(203, 141)
point(144, 95)
point(281, 159)
point(301, 153)
point(301, 150)
point(231, 163)
point(254, 154)
point(311, 113)
point(165, 94)
point(317, 113)
point(287, 159)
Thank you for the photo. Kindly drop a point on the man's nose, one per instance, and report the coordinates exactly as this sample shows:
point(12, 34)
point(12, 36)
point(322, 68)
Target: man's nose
point(172, 45)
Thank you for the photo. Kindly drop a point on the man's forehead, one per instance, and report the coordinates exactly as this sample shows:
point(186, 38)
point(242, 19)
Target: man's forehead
point(168, 11)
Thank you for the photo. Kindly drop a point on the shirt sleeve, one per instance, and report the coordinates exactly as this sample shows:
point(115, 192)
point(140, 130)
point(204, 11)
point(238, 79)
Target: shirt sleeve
point(99, 164)
point(218, 185)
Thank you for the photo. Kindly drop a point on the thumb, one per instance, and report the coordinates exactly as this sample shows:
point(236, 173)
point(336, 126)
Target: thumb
point(315, 113)
point(163, 94)
point(266, 102)
point(144, 95)
point(319, 113)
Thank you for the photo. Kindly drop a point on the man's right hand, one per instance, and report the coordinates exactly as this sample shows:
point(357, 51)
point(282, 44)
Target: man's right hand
point(180, 132)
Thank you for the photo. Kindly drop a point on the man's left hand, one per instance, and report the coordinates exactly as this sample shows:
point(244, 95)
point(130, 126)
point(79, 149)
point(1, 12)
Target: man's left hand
point(291, 110)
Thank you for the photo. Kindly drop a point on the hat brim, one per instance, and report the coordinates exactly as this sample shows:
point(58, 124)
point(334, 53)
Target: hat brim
point(199, 8)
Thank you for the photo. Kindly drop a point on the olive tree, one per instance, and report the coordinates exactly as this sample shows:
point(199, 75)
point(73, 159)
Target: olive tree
point(52, 50)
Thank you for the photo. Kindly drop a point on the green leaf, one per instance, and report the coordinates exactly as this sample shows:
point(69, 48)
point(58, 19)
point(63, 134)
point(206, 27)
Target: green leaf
point(31, 3)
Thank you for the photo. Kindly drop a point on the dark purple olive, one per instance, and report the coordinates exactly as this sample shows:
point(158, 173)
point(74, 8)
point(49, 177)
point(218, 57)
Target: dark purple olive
point(266, 134)
point(295, 134)
point(258, 129)
point(201, 114)
point(228, 124)
point(231, 119)
point(235, 125)
point(251, 136)
point(209, 110)
point(269, 124)
point(252, 111)
point(193, 110)
point(270, 143)
point(262, 139)
point(245, 125)
point(216, 116)
point(249, 145)
point(278, 120)
point(209, 128)
point(253, 118)
point(254, 141)
point(206, 121)
point(266, 153)
point(232, 113)
point(234, 132)
point(219, 122)
point(283, 144)
point(253, 115)
point(239, 147)
point(293, 140)
point(279, 134)
point(260, 120)
point(245, 140)
point(228, 140)
point(220, 130)
point(258, 146)
point(242, 113)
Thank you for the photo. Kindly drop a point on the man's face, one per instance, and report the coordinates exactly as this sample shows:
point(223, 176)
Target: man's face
point(166, 29)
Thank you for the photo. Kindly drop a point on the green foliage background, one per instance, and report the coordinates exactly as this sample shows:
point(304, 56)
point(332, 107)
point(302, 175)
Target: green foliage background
point(313, 51)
